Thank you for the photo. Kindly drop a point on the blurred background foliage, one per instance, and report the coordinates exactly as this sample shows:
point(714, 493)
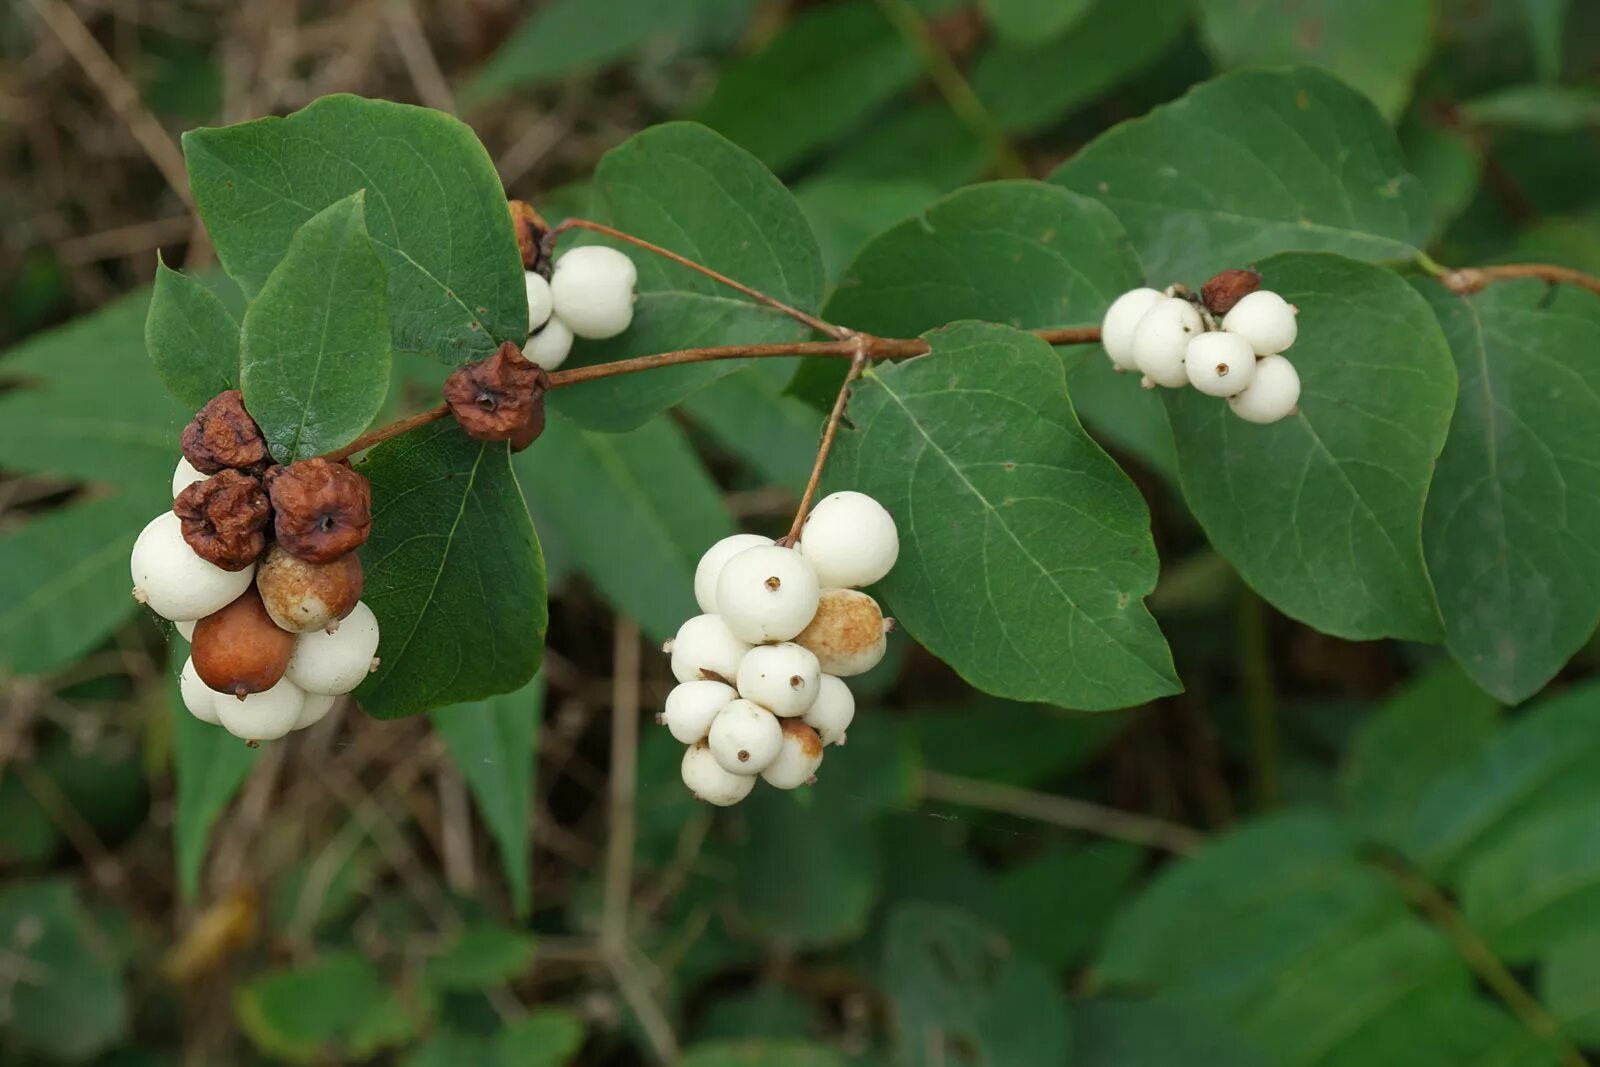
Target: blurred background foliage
point(1405, 872)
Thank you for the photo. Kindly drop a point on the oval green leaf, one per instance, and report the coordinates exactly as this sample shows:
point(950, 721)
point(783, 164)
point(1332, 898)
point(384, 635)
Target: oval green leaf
point(191, 337)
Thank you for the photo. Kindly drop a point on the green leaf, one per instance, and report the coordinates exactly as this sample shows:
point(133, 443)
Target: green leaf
point(827, 71)
point(1022, 253)
point(209, 765)
point(1027, 86)
point(1057, 905)
point(761, 1053)
point(1569, 985)
point(1025, 22)
point(1546, 21)
point(1110, 1033)
point(1014, 744)
point(922, 142)
point(191, 337)
point(453, 572)
point(638, 509)
point(955, 985)
point(692, 191)
point(64, 996)
point(1322, 512)
point(570, 36)
point(338, 1007)
point(492, 742)
point(1253, 163)
point(847, 212)
point(314, 364)
point(748, 414)
point(1025, 553)
point(1547, 108)
point(1539, 885)
point(545, 1037)
point(1547, 755)
point(434, 209)
point(1514, 514)
point(1436, 723)
point(1447, 163)
point(1376, 46)
point(481, 956)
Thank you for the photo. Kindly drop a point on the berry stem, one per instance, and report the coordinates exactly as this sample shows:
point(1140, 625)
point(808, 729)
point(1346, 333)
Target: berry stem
point(858, 363)
point(1470, 280)
point(722, 279)
point(383, 433)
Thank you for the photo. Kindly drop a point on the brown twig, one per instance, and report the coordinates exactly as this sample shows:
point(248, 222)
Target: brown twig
point(1471, 279)
point(722, 279)
point(858, 363)
point(383, 433)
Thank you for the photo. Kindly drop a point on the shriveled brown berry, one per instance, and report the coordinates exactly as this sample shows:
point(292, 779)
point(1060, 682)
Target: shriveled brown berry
point(500, 398)
point(1228, 287)
point(847, 634)
point(531, 230)
point(322, 509)
point(302, 596)
point(239, 650)
point(225, 518)
point(222, 434)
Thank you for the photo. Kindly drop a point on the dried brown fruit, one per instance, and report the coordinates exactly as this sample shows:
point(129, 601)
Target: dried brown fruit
point(847, 634)
point(1228, 287)
point(222, 434)
point(302, 596)
point(224, 518)
point(531, 230)
point(500, 398)
point(239, 650)
point(322, 509)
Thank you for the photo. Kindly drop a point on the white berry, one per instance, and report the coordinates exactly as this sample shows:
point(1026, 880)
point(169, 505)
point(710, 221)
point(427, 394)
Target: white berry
point(1116, 329)
point(850, 539)
point(691, 706)
point(185, 628)
point(184, 476)
point(1220, 364)
point(767, 594)
point(784, 679)
point(315, 709)
point(264, 716)
point(798, 758)
point(550, 346)
point(1160, 339)
point(711, 564)
point(1272, 395)
point(848, 634)
point(174, 582)
point(745, 737)
point(708, 781)
point(1264, 319)
point(592, 290)
point(200, 699)
point(335, 663)
point(833, 712)
point(539, 303)
point(705, 646)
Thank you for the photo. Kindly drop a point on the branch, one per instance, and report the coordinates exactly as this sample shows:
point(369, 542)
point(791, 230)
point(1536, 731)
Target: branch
point(858, 363)
point(1471, 279)
point(1069, 812)
point(716, 276)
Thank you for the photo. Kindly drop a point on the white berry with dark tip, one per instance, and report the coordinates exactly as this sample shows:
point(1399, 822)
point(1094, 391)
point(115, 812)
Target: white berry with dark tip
point(174, 582)
point(184, 476)
point(716, 557)
point(550, 346)
point(707, 779)
point(833, 711)
point(798, 758)
point(199, 698)
point(264, 716)
point(691, 706)
point(592, 291)
point(1273, 395)
point(1264, 319)
point(1162, 337)
point(783, 678)
point(706, 648)
point(767, 593)
point(539, 303)
point(745, 737)
point(1122, 318)
point(850, 540)
point(335, 663)
point(1220, 364)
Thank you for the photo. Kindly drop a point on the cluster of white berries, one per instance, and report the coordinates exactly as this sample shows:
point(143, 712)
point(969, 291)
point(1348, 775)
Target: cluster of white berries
point(760, 690)
point(1174, 341)
point(273, 644)
point(589, 295)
